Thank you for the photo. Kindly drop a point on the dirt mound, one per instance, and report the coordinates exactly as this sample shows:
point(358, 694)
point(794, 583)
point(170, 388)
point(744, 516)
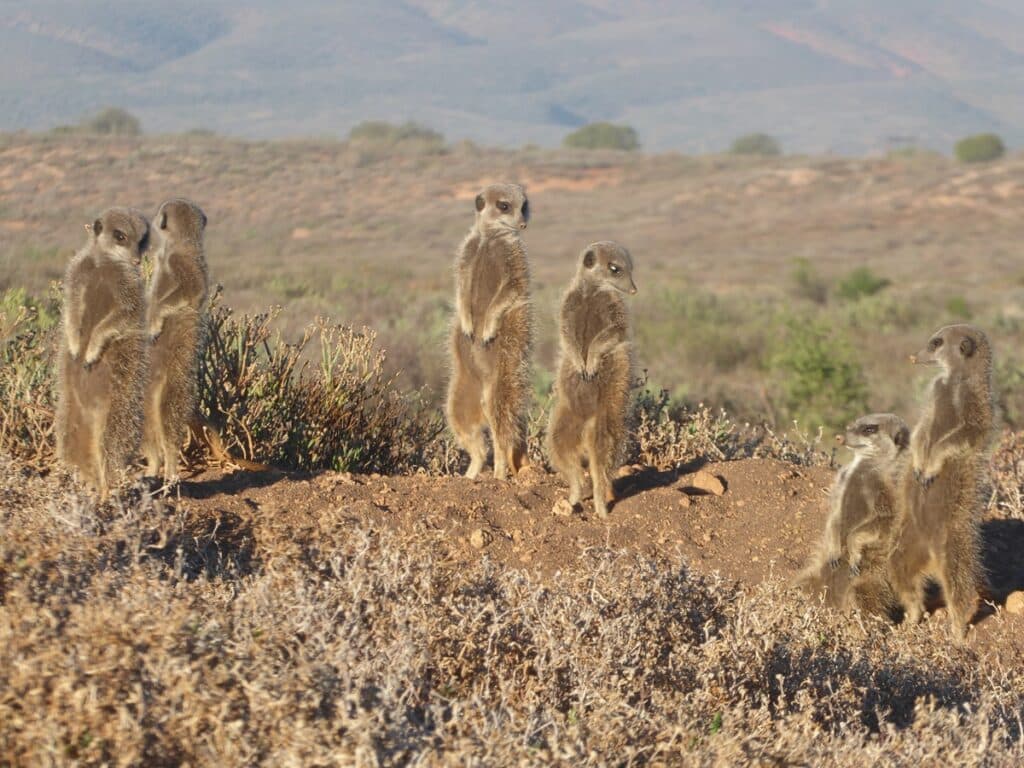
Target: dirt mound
point(761, 527)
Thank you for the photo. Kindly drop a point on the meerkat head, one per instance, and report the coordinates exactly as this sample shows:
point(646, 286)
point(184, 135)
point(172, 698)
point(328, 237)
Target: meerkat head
point(956, 348)
point(180, 219)
point(121, 232)
point(609, 264)
point(502, 207)
point(877, 434)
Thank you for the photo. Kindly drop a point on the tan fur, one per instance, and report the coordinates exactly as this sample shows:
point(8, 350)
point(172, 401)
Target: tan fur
point(862, 507)
point(937, 528)
point(102, 359)
point(176, 323)
point(492, 333)
point(588, 422)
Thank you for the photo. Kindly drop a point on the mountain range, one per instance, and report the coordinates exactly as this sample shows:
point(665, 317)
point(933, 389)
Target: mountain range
point(842, 76)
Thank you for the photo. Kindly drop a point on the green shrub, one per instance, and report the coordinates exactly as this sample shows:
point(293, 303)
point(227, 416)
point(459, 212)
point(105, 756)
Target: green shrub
point(381, 134)
point(27, 340)
point(756, 144)
point(807, 283)
point(343, 412)
point(859, 283)
point(980, 148)
point(603, 136)
point(958, 307)
point(817, 374)
point(112, 121)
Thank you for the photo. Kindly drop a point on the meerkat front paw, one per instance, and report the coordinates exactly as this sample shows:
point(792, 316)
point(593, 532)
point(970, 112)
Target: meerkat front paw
point(833, 562)
point(855, 569)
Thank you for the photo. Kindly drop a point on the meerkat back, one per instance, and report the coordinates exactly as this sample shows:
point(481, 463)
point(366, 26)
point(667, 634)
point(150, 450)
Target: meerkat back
point(176, 326)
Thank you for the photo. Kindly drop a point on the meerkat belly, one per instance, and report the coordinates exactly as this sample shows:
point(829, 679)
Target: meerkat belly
point(487, 275)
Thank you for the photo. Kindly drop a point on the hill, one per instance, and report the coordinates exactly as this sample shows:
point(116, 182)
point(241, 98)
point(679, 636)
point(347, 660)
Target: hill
point(825, 76)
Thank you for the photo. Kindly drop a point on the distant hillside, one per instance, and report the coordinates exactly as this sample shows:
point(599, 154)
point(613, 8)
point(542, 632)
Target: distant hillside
point(829, 75)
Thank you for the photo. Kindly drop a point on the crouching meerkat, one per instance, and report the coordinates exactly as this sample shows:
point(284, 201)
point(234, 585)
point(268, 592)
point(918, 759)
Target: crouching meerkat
point(492, 332)
point(588, 422)
point(937, 528)
point(175, 322)
point(862, 508)
point(102, 357)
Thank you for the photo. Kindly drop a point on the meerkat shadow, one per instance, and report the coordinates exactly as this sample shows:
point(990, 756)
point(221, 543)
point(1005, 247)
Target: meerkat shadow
point(650, 478)
point(209, 485)
point(1002, 545)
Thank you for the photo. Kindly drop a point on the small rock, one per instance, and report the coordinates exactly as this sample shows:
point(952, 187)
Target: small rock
point(480, 538)
point(562, 508)
point(684, 501)
point(1015, 603)
point(531, 474)
point(705, 481)
point(706, 539)
point(630, 470)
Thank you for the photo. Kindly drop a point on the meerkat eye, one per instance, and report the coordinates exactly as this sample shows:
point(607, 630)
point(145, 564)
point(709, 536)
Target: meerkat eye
point(503, 207)
point(935, 344)
point(120, 236)
point(613, 269)
point(870, 429)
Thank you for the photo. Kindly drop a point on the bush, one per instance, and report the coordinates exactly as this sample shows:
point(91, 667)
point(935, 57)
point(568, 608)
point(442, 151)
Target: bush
point(603, 136)
point(980, 148)
point(806, 283)
point(272, 405)
point(381, 134)
point(756, 144)
point(958, 307)
point(819, 378)
point(112, 121)
point(27, 340)
point(859, 283)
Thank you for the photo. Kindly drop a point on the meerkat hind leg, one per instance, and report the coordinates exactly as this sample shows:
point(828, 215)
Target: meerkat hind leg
point(466, 417)
point(600, 464)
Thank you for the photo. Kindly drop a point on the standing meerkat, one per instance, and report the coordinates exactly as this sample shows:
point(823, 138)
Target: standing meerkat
point(862, 507)
point(492, 332)
point(175, 323)
point(936, 532)
point(102, 359)
point(594, 375)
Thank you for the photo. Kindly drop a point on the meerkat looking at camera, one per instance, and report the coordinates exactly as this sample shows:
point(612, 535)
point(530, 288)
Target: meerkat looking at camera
point(102, 359)
point(588, 422)
point(862, 507)
point(937, 528)
point(492, 333)
point(175, 323)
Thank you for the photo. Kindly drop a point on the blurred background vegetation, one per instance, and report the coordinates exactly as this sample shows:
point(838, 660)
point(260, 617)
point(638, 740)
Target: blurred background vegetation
point(781, 288)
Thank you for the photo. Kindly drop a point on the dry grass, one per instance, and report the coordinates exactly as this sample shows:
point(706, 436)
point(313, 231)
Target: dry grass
point(145, 634)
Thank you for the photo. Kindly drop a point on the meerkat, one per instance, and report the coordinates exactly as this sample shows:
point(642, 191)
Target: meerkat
point(937, 529)
point(175, 322)
point(492, 333)
point(102, 358)
point(862, 507)
point(588, 422)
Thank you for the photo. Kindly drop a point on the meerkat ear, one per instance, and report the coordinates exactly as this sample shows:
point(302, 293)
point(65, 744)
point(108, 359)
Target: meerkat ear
point(205, 220)
point(589, 258)
point(967, 346)
point(144, 241)
point(97, 228)
point(526, 210)
point(480, 203)
point(902, 438)
point(163, 220)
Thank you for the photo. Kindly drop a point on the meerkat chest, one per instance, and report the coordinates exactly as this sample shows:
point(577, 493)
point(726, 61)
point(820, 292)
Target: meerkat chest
point(487, 272)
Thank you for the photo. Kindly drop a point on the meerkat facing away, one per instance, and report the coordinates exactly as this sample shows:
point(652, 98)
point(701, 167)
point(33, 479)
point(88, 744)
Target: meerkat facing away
point(594, 375)
point(492, 333)
point(176, 305)
point(862, 507)
point(937, 528)
point(102, 359)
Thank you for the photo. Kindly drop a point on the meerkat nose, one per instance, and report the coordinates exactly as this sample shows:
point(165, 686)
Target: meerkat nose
point(913, 359)
point(632, 289)
point(841, 439)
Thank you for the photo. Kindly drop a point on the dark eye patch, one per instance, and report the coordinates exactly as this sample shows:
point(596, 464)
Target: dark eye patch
point(504, 207)
point(869, 429)
point(120, 236)
point(935, 343)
